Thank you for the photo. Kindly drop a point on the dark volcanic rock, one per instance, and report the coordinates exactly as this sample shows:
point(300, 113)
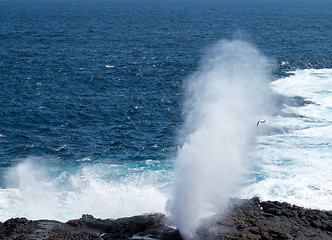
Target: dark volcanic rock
point(153, 225)
point(90, 228)
point(252, 219)
point(246, 219)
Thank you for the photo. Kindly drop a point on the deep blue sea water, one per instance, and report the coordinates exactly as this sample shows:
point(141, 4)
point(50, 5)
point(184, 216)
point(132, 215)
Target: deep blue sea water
point(92, 96)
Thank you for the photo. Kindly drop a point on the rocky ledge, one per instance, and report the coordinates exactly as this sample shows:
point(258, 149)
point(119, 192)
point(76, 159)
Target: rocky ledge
point(246, 219)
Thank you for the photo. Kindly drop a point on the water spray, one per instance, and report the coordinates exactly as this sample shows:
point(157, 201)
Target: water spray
point(223, 99)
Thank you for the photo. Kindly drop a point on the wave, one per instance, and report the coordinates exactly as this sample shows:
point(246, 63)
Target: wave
point(43, 191)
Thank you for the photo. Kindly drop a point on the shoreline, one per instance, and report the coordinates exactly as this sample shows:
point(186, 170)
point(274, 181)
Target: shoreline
point(246, 219)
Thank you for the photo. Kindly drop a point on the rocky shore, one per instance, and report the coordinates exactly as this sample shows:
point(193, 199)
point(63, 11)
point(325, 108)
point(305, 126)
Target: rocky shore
point(247, 219)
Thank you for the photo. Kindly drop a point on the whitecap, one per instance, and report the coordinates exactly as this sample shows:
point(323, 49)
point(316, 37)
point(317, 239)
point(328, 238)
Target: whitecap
point(296, 166)
point(63, 147)
point(86, 159)
point(103, 190)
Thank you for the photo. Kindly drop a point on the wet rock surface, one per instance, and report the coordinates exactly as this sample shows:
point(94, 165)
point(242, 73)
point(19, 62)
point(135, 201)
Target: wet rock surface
point(246, 219)
point(252, 219)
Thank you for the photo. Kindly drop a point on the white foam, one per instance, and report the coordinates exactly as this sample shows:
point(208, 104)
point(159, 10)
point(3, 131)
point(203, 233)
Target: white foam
point(296, 166)
point(311, 84)
point(34, 194)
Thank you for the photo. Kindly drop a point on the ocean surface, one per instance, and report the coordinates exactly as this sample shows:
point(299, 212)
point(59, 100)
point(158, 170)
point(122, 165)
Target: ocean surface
point(93, 100)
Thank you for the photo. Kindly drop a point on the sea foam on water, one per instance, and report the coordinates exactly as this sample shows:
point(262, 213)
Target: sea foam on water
point(38, 189)
point(296, 163)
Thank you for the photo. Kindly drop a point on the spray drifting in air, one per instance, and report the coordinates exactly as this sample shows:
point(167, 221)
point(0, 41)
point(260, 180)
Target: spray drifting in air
point(224, 98)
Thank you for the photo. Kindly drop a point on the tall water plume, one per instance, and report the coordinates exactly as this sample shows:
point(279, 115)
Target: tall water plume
point(224, 98)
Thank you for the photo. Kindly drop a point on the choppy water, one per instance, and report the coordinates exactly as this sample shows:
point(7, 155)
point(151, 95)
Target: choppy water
point(295, 164)
point(92, 95)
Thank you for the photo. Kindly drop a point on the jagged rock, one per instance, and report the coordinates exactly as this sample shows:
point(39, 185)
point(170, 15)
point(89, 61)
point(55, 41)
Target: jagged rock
point(125, 228)
point(246, 219)
point(256, 220)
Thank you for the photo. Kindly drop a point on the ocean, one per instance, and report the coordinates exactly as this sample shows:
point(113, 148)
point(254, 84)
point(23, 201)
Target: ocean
point(122, 107)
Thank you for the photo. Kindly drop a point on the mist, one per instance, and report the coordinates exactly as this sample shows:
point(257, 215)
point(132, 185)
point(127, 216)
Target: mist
point(224, 99)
